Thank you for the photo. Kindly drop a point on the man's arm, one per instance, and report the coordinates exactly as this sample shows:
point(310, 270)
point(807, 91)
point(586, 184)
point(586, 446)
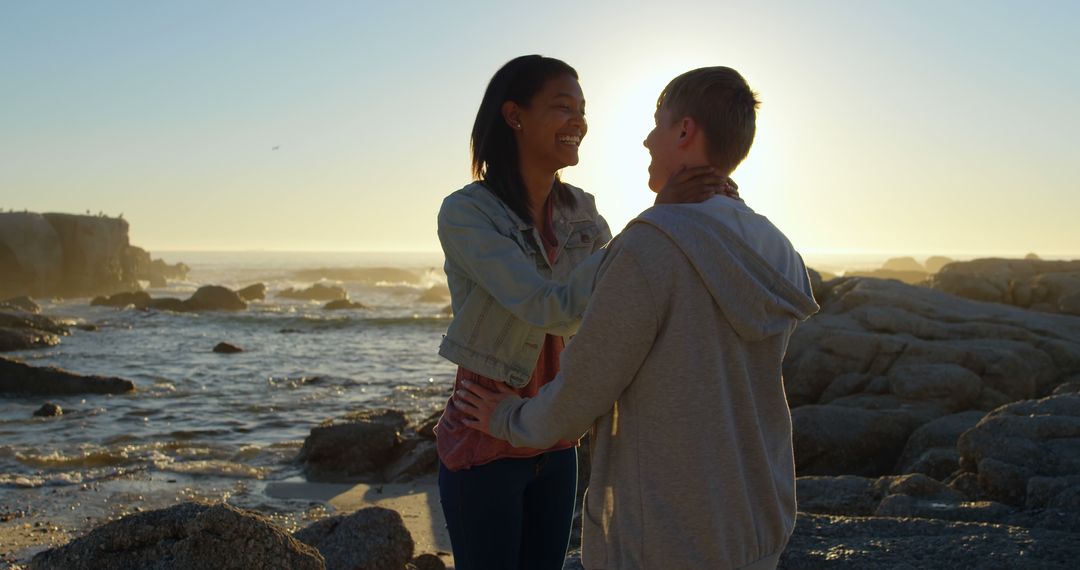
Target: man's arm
point(617, 334)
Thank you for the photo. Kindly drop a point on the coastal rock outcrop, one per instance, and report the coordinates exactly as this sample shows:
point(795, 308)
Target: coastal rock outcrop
point(188, 536)
point(215, 298)
point(24, 303)
point(206, 298)
point(373, 446)
point(72, 255)
point(226, 348)
point(373, 539)
point(883, 358)
point(1027, 453)
point(345, 304)
point(256, 292)
point(1049, 286)
point(317, 292)
point(20, 331)
point(19, 378)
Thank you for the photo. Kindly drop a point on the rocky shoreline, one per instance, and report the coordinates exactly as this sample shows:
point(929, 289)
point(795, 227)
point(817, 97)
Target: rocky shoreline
point(932, 430)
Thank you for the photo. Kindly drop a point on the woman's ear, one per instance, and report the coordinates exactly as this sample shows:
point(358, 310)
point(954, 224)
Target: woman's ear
point(511, 113)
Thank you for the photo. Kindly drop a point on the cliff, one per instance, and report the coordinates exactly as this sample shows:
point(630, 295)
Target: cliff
point(67, 255)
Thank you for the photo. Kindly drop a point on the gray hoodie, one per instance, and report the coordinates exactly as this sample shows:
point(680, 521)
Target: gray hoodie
point(677, 370)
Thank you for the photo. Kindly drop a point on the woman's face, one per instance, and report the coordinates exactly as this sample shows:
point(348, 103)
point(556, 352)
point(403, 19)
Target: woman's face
point(550, 129)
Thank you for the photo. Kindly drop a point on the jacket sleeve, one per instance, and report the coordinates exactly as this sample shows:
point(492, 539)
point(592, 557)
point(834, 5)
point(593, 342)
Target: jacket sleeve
point(496, 262)
point(616, 336)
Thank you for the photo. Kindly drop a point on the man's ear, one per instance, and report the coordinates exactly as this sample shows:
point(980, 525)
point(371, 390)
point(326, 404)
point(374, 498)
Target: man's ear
point(688, 130)
point(511, 113)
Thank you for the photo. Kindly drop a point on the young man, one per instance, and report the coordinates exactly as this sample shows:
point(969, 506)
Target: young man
point(677, 365)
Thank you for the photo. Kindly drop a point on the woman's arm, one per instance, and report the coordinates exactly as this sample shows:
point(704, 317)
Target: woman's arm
point(497, 263)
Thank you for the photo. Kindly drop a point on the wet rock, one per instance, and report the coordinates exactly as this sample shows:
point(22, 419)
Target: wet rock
point(169, 304)
point(226, 348)
point(23, 339)
point(49, 410)
point(136, 299)
point(19, 320)
point(343, 304)
point(187, 536)
point(435, 294)
point(373, 539)
point(317, 292)
point(19, 378)
point(353, 451)
point(215, 298)
point(23, 303)
point(1034, 439)
point(878, 542)
point(256, 292)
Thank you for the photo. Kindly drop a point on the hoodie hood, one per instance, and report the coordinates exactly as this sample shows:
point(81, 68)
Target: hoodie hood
point(760, 297)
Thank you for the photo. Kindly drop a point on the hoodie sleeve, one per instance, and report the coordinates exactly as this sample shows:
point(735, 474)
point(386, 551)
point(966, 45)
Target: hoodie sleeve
point(497, 263)
point(617, 334)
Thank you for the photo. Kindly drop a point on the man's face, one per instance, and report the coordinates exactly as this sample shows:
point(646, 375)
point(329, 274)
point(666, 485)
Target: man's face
point(662, 143)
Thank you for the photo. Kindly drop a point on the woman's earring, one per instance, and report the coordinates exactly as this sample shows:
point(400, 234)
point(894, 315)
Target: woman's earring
point(517, 126)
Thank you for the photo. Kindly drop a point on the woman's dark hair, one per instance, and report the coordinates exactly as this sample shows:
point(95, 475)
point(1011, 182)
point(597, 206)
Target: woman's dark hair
point(494, 149)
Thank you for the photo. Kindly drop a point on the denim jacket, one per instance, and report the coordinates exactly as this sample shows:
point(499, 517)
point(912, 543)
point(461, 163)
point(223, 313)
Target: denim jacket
point(504, 293)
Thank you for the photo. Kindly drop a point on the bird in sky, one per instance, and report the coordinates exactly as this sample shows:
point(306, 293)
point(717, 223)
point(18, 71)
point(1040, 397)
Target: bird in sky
point(276, 147)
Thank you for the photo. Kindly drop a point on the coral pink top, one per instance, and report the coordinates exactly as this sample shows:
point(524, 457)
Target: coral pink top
point(461, 447)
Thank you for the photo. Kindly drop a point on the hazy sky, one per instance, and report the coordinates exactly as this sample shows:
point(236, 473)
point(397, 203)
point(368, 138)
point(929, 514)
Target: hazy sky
point(908, 127)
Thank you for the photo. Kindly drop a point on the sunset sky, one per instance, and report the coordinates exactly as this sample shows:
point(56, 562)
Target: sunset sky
point(900, 127)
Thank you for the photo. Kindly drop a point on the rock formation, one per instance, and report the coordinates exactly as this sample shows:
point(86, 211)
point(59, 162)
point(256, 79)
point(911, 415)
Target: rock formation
point(71, 255)
point(317, 292)
point(1050, 286)
point(883, 358)
point(188, 536)
point(373, 539)
point(19, 378)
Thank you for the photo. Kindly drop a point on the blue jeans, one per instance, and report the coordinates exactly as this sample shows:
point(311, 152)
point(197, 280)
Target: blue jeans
point(511, 513)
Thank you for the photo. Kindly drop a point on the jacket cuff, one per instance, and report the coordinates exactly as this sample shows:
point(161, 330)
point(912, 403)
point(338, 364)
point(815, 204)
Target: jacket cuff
point(499, 423)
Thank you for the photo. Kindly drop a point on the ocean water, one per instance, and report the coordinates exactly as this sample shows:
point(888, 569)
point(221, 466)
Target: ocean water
point(211, 424)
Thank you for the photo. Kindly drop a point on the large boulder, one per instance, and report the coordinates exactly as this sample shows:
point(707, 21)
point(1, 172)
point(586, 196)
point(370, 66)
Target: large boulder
point(353, 451)
point(372, 539)
point(136, 299)
point(256, 292)
point(1051, 286)
point(188, 536)
point(317, 292)
point(843, 440)
point(876, 328)
point(215, 298)
point(22, 303)
point(1027, 453)
point(19, 378)
point(931, 449)
point(20, 331)
point(822, 541)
